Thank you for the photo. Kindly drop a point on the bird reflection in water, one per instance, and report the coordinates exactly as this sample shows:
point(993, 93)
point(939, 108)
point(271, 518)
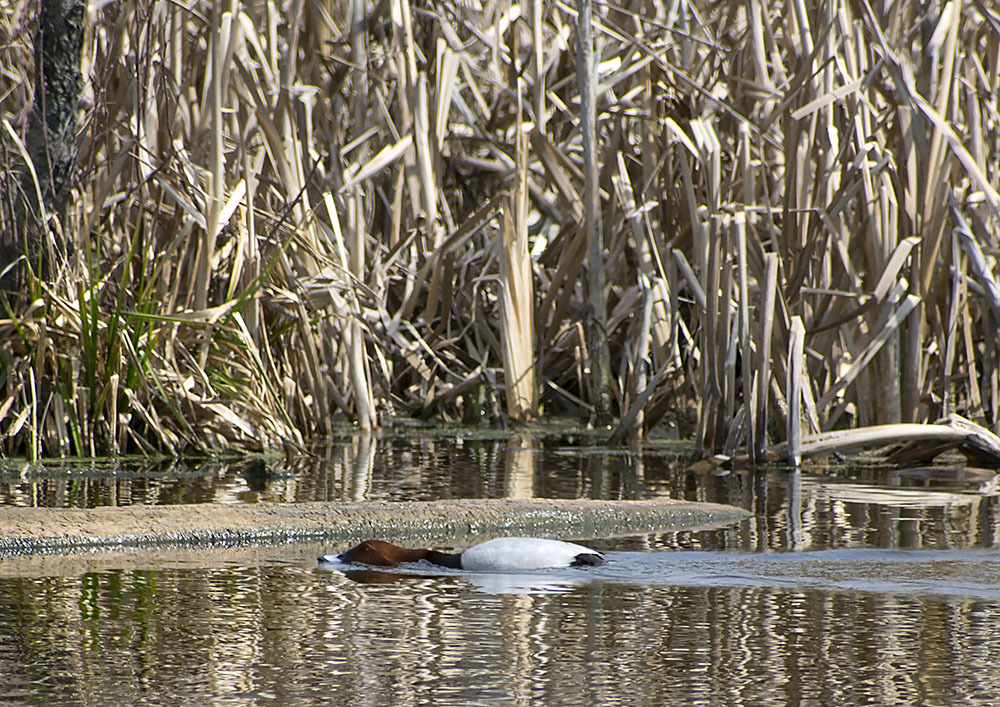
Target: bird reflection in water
point(368, 576)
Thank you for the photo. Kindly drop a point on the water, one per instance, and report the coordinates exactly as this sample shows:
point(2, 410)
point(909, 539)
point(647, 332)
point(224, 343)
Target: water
point(855, 585)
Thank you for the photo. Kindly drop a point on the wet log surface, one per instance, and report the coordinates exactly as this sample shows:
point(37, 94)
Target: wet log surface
point(32, 531)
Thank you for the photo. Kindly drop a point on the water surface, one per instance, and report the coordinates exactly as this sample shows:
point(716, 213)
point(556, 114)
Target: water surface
point(854, 585)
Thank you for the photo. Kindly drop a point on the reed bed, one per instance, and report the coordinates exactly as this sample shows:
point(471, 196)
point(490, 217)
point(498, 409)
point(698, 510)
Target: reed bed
point(288, 214)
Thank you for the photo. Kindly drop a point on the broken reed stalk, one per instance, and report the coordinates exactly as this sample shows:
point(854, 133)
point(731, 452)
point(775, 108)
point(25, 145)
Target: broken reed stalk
point(714, 339)
point(640, 365)
point(794, 386)
point(764, 361)
point(517, 292)
point(743, 304)
point(815, 142)
point(517, 330)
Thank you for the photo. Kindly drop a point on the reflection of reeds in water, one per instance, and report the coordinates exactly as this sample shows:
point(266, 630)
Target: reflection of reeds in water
point(767, 634)
point(282, 218)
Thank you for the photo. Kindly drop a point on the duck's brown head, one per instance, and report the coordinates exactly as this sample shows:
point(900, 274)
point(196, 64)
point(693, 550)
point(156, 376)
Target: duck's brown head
point(379, 553)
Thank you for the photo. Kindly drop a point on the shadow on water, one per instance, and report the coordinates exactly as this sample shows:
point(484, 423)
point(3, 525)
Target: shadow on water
point(855, 584)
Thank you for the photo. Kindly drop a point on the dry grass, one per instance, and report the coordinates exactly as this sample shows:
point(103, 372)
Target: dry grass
point(286, 214)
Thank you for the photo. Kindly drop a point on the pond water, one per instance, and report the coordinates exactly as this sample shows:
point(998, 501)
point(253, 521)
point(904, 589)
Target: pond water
point(850, 585)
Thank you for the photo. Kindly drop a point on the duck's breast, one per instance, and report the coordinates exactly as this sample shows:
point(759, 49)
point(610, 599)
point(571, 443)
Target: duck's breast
point(513, 554)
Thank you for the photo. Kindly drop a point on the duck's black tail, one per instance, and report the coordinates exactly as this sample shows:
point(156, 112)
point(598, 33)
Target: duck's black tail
point(587, 559)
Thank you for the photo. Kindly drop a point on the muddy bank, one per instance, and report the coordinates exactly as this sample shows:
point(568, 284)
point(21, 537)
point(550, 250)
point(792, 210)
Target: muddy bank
point(26, 532)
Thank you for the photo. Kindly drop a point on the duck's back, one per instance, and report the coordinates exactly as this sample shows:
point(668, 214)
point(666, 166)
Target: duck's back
point(514, 554)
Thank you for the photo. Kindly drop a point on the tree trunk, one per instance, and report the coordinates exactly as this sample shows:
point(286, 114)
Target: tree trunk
point(50, 140)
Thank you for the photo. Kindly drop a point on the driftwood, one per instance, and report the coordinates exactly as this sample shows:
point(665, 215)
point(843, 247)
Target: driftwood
point(919, 442)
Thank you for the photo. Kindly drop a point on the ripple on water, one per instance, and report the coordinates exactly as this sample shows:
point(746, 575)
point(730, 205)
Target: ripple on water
point(959, 573)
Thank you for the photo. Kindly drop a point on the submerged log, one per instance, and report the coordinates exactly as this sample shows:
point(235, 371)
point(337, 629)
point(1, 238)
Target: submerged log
point(31, 531)
point(920, 442)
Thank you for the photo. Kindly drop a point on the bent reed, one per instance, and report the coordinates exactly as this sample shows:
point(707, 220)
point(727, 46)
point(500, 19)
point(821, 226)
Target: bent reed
point(287, 214)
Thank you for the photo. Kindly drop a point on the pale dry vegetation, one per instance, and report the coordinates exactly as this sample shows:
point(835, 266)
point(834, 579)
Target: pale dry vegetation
point(287, 214)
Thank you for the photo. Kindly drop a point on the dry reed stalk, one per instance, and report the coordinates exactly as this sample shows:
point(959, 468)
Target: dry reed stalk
point(743, 305)
point(538, 58)
point(356, 347)
point(763, 368)
point(728, 328)
point(713, 341)
point(641, 364)
point(600, 355)
point(651, 269)
point(795, 386)
point(517, 316)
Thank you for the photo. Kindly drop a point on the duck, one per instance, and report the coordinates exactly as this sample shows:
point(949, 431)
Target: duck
point(498, 555)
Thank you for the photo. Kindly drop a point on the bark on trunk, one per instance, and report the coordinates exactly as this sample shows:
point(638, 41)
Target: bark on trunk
point(50, 141)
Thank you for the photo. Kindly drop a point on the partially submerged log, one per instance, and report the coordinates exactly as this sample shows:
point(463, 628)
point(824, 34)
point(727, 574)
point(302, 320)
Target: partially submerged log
point(919, 442)
point(30, 531)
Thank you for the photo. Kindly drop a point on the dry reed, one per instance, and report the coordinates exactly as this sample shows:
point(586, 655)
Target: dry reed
point(286, 214)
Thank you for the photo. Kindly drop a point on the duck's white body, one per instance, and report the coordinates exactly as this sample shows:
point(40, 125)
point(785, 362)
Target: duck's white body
point(515, 554)
point(500, 555)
